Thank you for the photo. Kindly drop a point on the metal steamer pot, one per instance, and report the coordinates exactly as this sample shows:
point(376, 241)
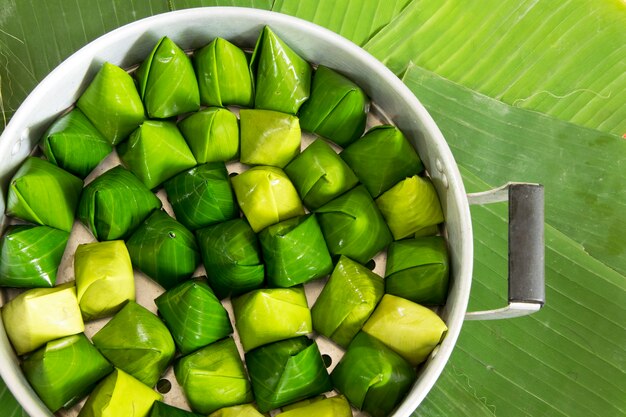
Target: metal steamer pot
point(193, 28)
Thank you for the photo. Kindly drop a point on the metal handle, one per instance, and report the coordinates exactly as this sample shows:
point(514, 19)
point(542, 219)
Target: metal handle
point(526, 249)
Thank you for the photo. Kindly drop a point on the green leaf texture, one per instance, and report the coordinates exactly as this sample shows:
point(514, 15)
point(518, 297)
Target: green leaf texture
point(566, 360)
point(356, 20)
point(583, 170)
point(9, 403)
point(565, 58)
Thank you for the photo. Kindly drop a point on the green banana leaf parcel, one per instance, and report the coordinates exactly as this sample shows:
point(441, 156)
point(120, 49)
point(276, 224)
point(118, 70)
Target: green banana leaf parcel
point(522, 90)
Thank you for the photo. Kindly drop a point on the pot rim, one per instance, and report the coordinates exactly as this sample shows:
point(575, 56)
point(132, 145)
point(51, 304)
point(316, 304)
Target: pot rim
point(41, 107)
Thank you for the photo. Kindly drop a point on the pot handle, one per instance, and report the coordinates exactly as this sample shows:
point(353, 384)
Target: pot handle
point(526, 248)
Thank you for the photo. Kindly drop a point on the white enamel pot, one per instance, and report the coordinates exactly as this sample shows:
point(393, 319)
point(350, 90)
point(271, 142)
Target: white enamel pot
point(193, 28)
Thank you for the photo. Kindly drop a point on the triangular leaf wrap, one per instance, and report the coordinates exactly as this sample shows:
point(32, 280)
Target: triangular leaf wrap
point(346, 301)
point(287, 371)
point(353, 226)
point(372, 377)
point(212, 134)
point(65, 370)
point(266, 196)
point(202, 196)
point(337, 108)
point(115, 203)
point(223, 75)
point(118, 395)
point(40, 315)
point(320, 175)
point(420, 327)
point(167, 82)
point(112, 104)
point(381, 158)
point(418, 270)
point(43, 193)
point(268, 137)
point(268, 315)
point(294, 252)
point(164, 249)
point(73, 143)
point(214, 377)
point(137, 341)
point(194, 315)
point(155, 152)
point(31, 255)
point(410, 206)
point(283, 78)
point(232, 257)
point(104, 278)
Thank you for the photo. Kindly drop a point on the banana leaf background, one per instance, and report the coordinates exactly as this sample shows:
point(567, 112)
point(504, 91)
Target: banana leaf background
point(523, 90)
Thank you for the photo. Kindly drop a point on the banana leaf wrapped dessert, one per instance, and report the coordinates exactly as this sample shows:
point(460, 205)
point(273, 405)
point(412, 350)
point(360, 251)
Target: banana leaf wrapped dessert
point(232, 257)
point(320, 175)
point(408, 328)
point(353, 226)
point(266, 196)
point(112, 104)
point(245, 410)
point(268, 137)
point(104, 278)
point(223, 75)
point(43, 193)
point(155, 152)
point(119, 395)
point(295, 252)
point(337, 108)
point(214, 377)
point(167, 82)
point(372, 377)
point(287, 371)
point(40, 315)
point(137, 342)
point(418, 270)
point(74, 144)
point(410, 206)
point(30, 255)
point(267, 315)
point(65, 370)
point(160, 409)
point(381, 158)
point(346, 301)
point(212, 135)
point(164, 249)
point(202, 196)
point(336, 406)
point(194, 315)
point(283, 78)
point(115, 203)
